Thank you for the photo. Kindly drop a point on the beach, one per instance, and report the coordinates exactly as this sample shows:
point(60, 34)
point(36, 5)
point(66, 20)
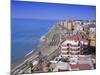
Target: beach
point(26, 34)
point(44, 48)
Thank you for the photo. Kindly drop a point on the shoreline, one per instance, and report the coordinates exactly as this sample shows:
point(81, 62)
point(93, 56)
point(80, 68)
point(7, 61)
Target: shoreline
point(29, 53)
point(33, 51)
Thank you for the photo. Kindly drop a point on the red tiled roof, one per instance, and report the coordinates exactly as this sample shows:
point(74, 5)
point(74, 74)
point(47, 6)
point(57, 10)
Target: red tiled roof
point(84, 67)
point(81, 66)
point(73, 66)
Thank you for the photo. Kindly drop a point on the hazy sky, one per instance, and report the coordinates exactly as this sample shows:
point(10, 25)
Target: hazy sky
point(39, 10)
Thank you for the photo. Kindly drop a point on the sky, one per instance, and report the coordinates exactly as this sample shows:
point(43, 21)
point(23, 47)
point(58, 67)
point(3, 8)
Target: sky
point(51, 11)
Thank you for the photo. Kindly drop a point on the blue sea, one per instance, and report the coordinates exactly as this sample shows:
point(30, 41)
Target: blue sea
point(25, 36)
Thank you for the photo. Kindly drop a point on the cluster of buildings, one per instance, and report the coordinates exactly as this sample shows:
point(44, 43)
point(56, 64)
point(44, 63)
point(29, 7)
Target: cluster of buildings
point(86, 29)
point(73, 48)
point(77, 39)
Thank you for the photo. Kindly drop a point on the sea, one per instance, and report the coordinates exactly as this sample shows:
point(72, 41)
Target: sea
point(26, 35)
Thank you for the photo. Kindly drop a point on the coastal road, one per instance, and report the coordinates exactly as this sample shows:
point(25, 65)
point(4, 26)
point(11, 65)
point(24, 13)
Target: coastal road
point(55, 40)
